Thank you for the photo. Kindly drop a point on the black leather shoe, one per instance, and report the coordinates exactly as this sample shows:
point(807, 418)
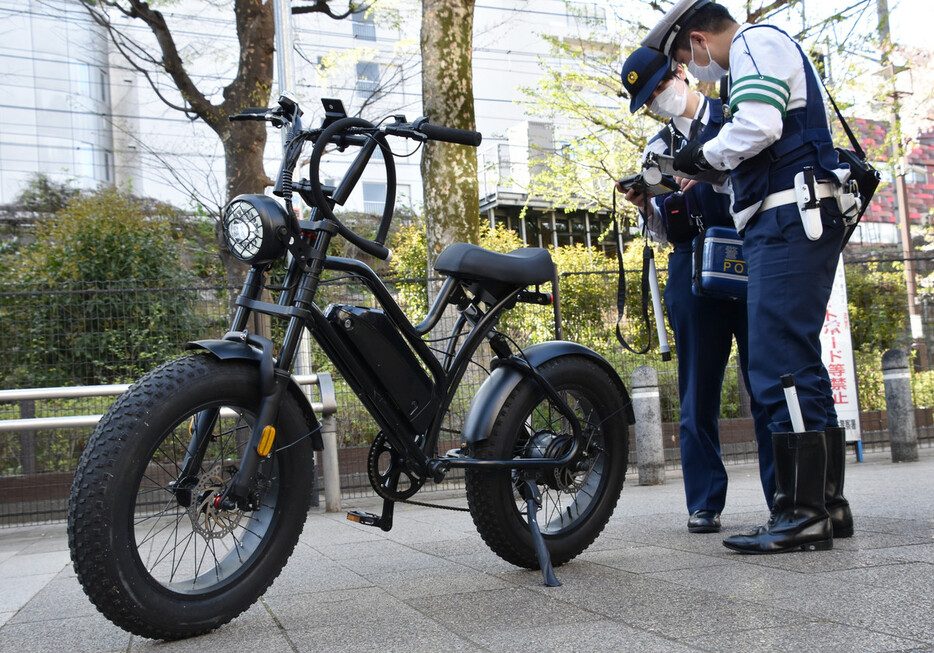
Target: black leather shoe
point(704, 521)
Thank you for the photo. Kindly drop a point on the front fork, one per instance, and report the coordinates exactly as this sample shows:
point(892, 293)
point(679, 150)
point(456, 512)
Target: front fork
point(273, 383)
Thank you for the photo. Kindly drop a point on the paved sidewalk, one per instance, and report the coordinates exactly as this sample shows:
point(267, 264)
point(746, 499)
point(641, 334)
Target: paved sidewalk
point(431, 584)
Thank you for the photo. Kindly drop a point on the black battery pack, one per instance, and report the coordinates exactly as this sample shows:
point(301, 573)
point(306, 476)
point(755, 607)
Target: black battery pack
point(371, 334)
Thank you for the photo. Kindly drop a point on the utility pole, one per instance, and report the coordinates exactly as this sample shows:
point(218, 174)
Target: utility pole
point(900, 164)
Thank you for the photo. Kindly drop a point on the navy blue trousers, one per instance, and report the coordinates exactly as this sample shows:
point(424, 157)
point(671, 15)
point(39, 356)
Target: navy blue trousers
point(790, 279)
point(704, 329)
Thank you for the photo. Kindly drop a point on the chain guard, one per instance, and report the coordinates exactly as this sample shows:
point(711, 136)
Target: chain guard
point(388, 473)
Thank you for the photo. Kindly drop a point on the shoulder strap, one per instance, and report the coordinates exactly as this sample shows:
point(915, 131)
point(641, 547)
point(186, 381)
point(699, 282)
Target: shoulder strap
point(846, 128)
point(621, 290)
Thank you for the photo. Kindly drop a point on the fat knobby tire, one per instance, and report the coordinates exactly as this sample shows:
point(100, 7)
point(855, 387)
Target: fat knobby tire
point(103, 495)
point(491, 495)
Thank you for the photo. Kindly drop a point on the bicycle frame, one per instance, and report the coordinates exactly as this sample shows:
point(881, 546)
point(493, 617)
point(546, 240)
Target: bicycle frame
point(414, 446)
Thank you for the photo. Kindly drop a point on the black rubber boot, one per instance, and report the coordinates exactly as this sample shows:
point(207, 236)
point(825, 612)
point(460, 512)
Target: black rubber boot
point(799, 520)
point(837, 506)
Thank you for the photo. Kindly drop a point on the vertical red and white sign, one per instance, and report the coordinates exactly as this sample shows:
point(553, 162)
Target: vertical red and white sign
point(837, 354)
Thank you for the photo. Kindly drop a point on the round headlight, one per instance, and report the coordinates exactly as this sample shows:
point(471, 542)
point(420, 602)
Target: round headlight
point(252, 228)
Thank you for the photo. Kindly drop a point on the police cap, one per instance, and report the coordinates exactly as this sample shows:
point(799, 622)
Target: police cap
point(642, 72)
point(663, 35)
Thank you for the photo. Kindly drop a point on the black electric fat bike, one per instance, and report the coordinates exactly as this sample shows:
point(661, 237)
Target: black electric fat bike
point(194, 487)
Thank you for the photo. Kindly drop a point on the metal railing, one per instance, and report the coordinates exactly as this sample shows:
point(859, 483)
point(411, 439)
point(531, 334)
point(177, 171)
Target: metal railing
point(326, 408)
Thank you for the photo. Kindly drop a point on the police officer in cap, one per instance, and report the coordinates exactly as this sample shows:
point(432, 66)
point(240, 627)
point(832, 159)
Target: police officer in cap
point(778, 140)
point(704, 327)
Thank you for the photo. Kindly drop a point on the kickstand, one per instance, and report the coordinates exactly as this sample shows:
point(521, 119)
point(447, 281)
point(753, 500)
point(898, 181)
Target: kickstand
point(533, 499)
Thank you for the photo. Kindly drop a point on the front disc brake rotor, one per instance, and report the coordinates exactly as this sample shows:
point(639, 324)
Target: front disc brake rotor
point(207, 519)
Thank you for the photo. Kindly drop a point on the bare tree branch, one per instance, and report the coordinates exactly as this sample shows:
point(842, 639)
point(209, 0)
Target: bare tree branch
point(323, 7)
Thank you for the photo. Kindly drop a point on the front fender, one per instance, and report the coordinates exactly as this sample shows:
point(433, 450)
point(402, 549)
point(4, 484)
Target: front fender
point(489, 400)
point(233, 349)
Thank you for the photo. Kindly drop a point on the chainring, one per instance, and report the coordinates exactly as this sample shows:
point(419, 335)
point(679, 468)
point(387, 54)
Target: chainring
point(388, 473)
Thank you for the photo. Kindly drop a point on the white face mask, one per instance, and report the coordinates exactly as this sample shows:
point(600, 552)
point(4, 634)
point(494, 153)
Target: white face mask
point(712, 72)
point(672, 101)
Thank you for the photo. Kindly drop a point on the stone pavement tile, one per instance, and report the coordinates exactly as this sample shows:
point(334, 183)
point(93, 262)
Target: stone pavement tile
point(18, 591)
point(487, 562)
point(871, 608)
point(837, 559)
point(910, 553)
point(648, 559)
point(334, 529)
point(660, 607)
point(605, 635)
point(310, 571)
point(451, 548)
point(923, 528)
point(254, 630)
point(62, 598)
point(77, 635)
point(804, 638)
point(865, 540)
point(396, 558)
point(747, 581)
point(912, 578)
point(478, 613)
point(32, 564)
point(386, 636)
point(369, 620)
point(450, 578)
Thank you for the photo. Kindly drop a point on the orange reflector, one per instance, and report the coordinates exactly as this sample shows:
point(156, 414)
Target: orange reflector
point(353, 517)
point(265, 443)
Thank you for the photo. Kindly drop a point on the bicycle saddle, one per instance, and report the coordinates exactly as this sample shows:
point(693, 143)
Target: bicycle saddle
point(521, 267)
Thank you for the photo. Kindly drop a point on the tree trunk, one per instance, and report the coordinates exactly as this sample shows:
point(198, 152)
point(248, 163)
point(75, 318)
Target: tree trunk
point(449, 172)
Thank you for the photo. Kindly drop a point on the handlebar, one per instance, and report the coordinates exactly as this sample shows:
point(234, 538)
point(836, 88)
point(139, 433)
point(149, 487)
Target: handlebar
point(448, 134)
point(250, 113)
point(422, 130)
point(345, 132)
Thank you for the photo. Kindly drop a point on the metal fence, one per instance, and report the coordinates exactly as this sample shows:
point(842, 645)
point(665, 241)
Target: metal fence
point(114, 332)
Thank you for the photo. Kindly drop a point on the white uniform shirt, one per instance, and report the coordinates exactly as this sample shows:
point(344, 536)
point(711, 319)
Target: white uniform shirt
point(767, 81)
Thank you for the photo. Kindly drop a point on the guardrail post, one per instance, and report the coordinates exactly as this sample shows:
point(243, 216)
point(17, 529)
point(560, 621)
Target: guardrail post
point(646, 403)
point(332, 472)
point(27, 438)
point(903, 436)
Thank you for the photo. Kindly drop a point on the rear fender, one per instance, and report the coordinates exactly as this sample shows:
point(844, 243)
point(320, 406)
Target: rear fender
point(490, 399)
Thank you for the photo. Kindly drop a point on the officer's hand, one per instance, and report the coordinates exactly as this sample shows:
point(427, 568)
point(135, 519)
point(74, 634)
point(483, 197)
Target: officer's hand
point(635, 197)
point(690, 158)
point(685, 183)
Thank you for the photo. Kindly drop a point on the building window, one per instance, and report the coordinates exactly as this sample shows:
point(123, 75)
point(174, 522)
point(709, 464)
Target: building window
point(84, 161)
point(586, 15)
point(363, 27)
point(374, 198)
point(916, 175)
point(367, 76)
point(105, 83)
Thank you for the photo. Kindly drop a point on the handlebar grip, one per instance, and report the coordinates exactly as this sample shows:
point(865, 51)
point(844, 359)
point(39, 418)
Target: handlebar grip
point(450, 134)
point(249, 113)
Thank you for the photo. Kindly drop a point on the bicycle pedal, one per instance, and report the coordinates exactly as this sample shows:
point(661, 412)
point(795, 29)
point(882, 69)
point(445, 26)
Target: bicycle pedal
point(365, 518)
point(460, 452)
